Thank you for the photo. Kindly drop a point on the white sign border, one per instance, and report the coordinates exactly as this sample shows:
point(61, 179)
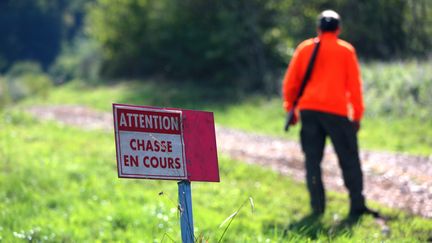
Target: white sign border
point(117, 137)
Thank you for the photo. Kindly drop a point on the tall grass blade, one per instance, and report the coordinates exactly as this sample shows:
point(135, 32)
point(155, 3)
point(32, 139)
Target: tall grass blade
point(227, 219)
point(231, 218)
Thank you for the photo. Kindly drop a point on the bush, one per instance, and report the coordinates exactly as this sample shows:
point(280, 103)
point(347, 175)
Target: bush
point(242, 44)
point(80, 60)
point(25, 79)
point(221, 43)
point(398, 89)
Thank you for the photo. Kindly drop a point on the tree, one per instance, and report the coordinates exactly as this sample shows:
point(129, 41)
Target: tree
point(382, 29)
point(35, 29)
point(244, 43)
point(217, 41)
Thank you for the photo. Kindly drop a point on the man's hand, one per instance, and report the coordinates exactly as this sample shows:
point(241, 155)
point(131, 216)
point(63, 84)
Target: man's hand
point(294, 119)
point(291, 120)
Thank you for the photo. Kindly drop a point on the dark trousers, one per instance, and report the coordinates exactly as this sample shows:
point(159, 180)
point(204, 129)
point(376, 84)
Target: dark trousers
point(316, 126)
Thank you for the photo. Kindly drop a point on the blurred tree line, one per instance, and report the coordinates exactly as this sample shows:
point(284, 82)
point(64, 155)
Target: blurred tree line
point(235, 43)
point(36, 29)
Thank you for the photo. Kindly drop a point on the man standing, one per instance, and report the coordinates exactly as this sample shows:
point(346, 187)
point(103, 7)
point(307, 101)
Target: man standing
point(331, 104)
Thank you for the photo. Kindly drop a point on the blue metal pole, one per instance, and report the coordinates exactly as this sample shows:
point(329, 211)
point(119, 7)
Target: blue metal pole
point(186, 218)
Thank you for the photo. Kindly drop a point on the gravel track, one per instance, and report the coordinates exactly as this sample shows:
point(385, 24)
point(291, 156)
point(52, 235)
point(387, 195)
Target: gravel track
point(393, 179)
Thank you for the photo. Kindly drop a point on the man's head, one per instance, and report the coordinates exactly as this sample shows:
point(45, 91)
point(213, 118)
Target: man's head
point(328, 21)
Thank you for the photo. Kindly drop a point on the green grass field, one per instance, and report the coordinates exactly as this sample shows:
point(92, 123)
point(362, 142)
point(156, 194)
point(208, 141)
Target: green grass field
point(59, 184)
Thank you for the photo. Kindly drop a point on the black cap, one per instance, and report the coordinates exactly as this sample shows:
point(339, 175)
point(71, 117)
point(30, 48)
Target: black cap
point(328, 20)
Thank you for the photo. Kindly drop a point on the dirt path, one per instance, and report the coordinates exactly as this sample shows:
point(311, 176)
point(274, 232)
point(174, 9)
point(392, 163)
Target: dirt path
point(394, 179)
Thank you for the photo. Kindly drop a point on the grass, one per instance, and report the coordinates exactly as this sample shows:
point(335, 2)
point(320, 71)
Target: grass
point(408, 134)
point(59, 184)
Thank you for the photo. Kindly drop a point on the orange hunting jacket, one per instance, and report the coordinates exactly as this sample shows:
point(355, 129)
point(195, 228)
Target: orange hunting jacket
point(335, 84)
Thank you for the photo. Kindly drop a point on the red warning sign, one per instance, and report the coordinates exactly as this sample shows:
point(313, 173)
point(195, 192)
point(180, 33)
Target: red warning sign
point(165, 143)
point(149, 143)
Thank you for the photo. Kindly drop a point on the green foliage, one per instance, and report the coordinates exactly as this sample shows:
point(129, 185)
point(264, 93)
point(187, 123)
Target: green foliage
point(397, 28)
point(25, 67)
point(398, 89)
point(59, 184)
point(35, 29)
point(25, 79)
point(215, 41)
point(79, 60)
point(242, 44)
point(376, 35)
point(32, 18)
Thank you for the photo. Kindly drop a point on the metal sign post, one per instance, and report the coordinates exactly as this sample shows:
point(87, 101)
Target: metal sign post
point(186, 218)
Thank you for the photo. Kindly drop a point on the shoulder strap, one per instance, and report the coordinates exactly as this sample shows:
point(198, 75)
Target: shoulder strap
point(308, 72)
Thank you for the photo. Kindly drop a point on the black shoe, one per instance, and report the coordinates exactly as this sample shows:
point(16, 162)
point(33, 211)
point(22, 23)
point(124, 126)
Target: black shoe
point(364, 211)
point(307, 220)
